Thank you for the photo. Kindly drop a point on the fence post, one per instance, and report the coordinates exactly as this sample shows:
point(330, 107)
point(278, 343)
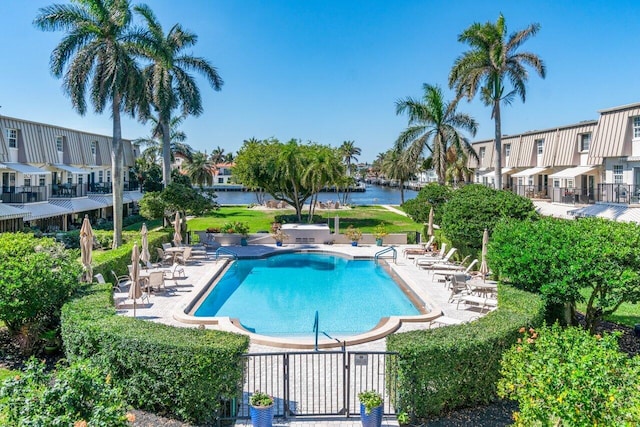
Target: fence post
point(346, 380)
point(285, 378)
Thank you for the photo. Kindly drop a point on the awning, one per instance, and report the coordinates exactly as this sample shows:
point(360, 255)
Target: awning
point(78, 204)
point(10, 212)
point(42, 210)
point(105, 200)
point(530, 172)
point(70, 169)
point(621, 213)
point(492, 173)
point(573, 172)
point(24, 168)
point(134, 196)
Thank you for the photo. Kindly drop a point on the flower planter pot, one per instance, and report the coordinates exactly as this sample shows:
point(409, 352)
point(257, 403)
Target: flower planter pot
point(354, 243)
point(379, 242)
point(261, 416)
point(243, 241)
point(278, 243)
point(373, 418)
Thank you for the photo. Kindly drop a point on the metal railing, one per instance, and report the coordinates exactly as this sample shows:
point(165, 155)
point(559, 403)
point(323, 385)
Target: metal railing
point(316, 383)
point(224, 252)
point(24, 194)
point(391, 249)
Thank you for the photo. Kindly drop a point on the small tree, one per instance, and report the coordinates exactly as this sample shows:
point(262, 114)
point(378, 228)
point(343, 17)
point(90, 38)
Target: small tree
point(568, 377)
point(431, 195)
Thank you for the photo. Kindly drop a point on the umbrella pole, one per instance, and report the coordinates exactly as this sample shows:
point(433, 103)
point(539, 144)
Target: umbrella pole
point(134, 307)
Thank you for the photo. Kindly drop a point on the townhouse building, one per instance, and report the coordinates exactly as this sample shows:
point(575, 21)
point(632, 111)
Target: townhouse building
point(594, 161)
point(52, 176)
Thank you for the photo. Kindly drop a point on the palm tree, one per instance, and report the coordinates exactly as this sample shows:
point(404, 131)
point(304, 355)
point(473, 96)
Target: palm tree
point(398, 166)
point(200, 169)
point(169, 82)
point(217, 155)
point(492, 60)
point(95, 54)
point(177, 139)
point(434, 125)
point(457, 169)
point(325, 169)
point(349, 152)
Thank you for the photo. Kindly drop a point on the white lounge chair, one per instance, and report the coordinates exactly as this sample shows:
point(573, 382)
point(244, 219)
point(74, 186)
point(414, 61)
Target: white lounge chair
point(432, 257)
point(431, 263)
point(445, 271)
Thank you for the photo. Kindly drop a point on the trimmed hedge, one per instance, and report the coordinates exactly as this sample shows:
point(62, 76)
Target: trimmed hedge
point(184, 372)
point(457, 366)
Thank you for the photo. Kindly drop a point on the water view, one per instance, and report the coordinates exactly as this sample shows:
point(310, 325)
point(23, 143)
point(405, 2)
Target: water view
point(375, 195)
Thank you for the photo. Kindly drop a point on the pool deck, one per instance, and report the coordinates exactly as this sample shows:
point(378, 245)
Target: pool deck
point(169, 307)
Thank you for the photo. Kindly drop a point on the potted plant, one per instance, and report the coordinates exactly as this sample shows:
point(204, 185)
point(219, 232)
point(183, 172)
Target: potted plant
point(353, 234)
point(51, 341)
point(379, 233)
point(261, 409)
point(370, 408)
point(278, 235)
point(241, 228)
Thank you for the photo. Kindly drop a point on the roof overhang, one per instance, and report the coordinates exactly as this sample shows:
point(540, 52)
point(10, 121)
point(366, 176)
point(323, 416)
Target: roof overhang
point(573, 172)
point(24, 168)
point(530, 172)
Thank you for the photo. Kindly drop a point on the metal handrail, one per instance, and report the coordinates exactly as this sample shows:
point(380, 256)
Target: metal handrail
point(384, 251)
point(225, 251)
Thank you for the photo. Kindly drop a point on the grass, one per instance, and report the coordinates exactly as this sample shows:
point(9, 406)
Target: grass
point(152, 224)
point(7, 373)
point(366, 218)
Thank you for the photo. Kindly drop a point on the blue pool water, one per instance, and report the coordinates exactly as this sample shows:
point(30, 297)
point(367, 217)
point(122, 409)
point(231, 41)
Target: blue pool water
point(279, 296)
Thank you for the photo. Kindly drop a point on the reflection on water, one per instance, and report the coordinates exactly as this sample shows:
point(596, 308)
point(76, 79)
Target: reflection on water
point(374, 195)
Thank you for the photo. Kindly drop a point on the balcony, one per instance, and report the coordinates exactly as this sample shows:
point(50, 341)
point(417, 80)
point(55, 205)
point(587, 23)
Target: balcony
point(25, 194)
point(67, 191)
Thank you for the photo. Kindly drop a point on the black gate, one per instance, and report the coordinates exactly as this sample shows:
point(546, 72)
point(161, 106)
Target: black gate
point(316, 383)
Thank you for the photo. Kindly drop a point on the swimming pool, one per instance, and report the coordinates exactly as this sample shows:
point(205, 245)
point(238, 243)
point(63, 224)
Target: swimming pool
point(279, 295)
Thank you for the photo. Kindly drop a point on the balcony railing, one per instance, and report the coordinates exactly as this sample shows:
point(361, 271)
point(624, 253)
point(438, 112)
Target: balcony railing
point(25, 194)
point(66, 191)
point(619, 193)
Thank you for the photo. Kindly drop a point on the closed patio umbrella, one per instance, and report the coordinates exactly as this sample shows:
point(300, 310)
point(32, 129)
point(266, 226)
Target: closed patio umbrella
point(86, 247)
point(134, 290)
point(145, 256)
point(484, 268)
point(430, 225)
point(177, 237)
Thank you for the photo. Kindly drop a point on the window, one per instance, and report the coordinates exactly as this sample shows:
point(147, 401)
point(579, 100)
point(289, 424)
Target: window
point(520, 180)
point(585, 141)
point(636, 127)
point(483, 151)
point(94, 145)
point(617, 174)
point(507, 150)
point(59, 143)
point(220, 180)
point(12, 138)
point(27, 180)
point(529, 180)
point(556, 183)
point(540, 146)
point(108, 176)
point(100, 176)
point(569, 183)
point(41, 181)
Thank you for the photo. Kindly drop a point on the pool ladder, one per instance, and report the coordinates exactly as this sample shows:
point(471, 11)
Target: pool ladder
point(385, 251)
point(223, 252)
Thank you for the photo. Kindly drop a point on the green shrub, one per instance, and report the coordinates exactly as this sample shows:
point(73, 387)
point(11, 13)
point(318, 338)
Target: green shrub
point(458, 366)
point(473, 208)
point(37, 276)
point(568, 377)
point(561, 259)
point(185, 372)
point(431, 195)
point(69, 396)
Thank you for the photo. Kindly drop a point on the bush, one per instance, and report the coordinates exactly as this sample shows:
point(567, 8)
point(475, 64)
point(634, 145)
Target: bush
point(570, 378)
point(432, 195)
point(37, 276)
point(473, 208)
point(78, 395)
point(457, 366)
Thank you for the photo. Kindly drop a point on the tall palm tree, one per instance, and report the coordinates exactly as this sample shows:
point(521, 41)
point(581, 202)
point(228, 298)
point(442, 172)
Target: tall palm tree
point(434, 125)
point(217, 155)
point(349, 152)
point(457, 169)
point(324, 169)
point(95, 55)
point(200, 169)
point(491, 61)
point(399, 166)
point(170, 84)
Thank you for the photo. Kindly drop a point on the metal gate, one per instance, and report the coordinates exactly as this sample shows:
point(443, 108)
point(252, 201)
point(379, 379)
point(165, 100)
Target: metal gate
point(316, 383)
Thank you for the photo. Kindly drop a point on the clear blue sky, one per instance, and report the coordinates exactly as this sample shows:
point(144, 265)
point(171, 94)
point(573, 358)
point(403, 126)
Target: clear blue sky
point(330, 71)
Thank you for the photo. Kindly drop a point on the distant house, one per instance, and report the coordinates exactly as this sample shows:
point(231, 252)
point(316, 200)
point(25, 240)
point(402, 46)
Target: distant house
point(222, 174)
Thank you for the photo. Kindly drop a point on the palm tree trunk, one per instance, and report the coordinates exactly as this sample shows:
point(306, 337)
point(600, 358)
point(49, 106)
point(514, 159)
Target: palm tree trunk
point(166, 152)
point(117, 165)
point(498, 144)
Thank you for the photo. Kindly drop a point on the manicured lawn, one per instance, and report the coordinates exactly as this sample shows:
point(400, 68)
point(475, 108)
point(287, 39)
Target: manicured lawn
point(366, 218)
point(154, 223)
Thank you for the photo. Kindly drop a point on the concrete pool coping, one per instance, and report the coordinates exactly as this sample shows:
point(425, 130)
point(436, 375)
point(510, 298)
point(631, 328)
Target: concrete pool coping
point(386, 325)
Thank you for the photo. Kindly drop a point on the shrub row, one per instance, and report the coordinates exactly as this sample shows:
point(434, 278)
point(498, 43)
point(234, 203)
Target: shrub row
point(183, 372)
point(447, 368)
